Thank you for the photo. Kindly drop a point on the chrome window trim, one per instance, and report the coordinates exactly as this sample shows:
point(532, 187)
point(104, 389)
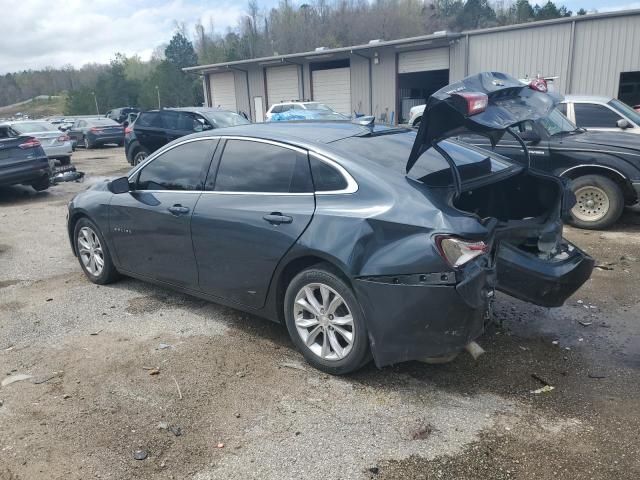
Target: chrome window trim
point(592, 165)
point(352, 185)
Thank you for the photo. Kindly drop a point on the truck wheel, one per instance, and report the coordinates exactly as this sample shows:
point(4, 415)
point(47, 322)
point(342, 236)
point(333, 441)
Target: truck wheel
point(41, 184)
point(599, 202)
point(140, 156)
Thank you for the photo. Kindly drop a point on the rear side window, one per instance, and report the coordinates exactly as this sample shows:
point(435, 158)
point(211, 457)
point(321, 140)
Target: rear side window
point(181, 168)
point(248, 166)
point(595, 116)
point(325, 177)
point(563, 108)
point(149, 119)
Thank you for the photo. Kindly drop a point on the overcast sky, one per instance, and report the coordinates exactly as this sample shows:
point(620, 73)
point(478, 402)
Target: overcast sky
point(40, 33)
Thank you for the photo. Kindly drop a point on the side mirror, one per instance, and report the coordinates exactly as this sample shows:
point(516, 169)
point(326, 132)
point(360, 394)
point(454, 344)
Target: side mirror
point(119, 185)
point(623, 123)
point(530, 136)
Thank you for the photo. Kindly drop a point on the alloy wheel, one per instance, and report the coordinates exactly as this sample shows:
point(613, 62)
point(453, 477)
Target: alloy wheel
point(90, 251)
point(592, 204)
point(324, 321)
point(86, 143)
point(140, 157)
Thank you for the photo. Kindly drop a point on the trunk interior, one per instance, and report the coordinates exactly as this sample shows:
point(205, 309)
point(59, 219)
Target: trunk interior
point(520, 197)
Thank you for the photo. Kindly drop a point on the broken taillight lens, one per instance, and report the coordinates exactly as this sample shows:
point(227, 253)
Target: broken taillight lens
point(457, 251)
point(476, 101)
point(539, 84)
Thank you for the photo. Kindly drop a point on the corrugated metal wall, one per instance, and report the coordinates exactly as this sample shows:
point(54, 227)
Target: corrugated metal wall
point(360, 85)
point(384, 84)
point(523, 51)
point(458, 60)
point(604, 48)
point(242, 97)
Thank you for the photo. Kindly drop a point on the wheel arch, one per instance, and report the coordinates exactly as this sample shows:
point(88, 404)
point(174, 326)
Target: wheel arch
point(611, 173)
point(74, 218)
point(293, 267)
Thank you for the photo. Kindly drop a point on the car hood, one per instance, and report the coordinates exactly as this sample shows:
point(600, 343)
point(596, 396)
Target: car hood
point(510, 102)
point(613, 140)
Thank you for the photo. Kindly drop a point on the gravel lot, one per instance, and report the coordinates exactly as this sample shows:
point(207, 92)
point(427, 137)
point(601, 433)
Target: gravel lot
point(211, 393)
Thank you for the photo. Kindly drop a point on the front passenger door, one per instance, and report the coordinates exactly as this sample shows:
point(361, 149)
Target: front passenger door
point(249, 216)
point(151, 225)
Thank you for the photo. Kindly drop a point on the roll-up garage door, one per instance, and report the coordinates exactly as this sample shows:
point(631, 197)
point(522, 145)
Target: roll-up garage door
point(333, 87)
point(423, 60)
point(223, 90)
point(282, 84)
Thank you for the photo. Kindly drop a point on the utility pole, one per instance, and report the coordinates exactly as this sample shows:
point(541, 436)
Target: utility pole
point(158, 92)
point(95, 99)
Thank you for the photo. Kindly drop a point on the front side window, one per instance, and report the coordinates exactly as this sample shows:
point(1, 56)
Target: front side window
point(248, 166)
point(556, 123)
point(592, 115)
point(180, 168)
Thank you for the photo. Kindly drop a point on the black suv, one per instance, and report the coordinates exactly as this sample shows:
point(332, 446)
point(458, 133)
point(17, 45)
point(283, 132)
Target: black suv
point(156, 128)
point(120, 114)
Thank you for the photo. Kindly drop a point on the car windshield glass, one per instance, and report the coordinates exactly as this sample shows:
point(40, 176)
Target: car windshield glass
point(30, 127)
point(317, 106)
point(392, 151)
point(103, 123)
point(626, 110)
point(226, 119)
point(557, 123)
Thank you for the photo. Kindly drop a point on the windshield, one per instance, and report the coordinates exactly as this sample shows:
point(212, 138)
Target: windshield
point(32, 127)
point(626, 110)
point(556, 123)
point(392, 150)
point(226, 119)
point(317, 106)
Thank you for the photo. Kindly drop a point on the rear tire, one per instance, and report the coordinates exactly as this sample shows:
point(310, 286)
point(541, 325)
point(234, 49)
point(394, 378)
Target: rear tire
point(140, 156)
point(93, 253)
point(599, 202)
point(41, 184)
point(331, 332)
point(88, 144)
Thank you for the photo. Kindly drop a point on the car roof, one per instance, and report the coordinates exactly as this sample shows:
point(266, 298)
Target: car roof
point(192, 110)
point(587, 98)
point(300, 132)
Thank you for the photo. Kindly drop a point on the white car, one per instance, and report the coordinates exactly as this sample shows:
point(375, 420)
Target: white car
point(56, 144)
point(600, 113)
point(293, 105)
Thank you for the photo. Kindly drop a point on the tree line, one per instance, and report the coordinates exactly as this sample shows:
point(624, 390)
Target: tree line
point(287, 28)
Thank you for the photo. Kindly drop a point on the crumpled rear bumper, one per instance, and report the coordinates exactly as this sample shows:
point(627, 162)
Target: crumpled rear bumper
point(408, 319)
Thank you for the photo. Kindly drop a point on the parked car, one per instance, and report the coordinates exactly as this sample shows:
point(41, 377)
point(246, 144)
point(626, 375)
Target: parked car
point(23, 161)
point(296, 105)
point(602, 114)
point(94, 132)
point(56, 144)
point(603, 167)
point(319, 226)
point(120, 114)
point(308, 114)
point(156, 128)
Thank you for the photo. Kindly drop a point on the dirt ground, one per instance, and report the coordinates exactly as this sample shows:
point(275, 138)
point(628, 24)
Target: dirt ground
point(206, 392)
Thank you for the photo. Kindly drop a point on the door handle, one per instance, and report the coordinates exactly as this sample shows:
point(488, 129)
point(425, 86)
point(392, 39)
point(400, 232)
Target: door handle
point(178, 210)
point(276, 218)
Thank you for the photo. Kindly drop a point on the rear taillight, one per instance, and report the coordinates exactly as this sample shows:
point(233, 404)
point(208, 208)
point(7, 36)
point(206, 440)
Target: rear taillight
point(30, 143)
point(128, 130)
point(539, 84)
point(457, 251)
point(476, 101)
point(64, 138)
point(95, 130)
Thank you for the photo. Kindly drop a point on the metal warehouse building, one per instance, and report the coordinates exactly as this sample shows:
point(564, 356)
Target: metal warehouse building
point(592, 54)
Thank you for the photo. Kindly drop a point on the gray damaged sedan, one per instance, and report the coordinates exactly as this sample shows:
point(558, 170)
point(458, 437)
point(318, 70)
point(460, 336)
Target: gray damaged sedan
point(366, 241)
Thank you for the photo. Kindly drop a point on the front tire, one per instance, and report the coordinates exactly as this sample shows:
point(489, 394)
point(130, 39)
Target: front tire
point(88, 144)
point(599, 202)
point(41, 184)
point(325, 321)
point(93, 253)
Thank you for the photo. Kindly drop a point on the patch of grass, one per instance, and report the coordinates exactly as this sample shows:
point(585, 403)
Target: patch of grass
point(36, 108)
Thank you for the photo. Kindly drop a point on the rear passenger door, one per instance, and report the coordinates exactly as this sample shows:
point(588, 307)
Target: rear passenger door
point(258, 200)
point(150, 131)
